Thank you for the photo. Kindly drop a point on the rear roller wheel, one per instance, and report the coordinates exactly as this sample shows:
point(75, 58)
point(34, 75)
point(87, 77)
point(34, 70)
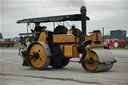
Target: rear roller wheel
point(58, 60)
point(99, 60)
point(39, 55)
point(61, 64)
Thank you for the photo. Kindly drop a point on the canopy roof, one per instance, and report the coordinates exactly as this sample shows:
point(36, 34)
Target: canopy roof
point(73, 17)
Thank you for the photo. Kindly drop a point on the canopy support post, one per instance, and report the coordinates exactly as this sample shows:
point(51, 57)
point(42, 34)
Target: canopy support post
point(63, 23)
point(54, 25)
point(27, 28)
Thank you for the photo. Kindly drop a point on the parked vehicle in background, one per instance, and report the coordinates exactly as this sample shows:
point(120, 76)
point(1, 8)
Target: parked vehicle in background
point(23, 37)
point(7, 42)
point(115, 43)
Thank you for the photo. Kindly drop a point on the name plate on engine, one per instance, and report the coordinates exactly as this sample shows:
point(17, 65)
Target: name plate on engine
point(64, 38)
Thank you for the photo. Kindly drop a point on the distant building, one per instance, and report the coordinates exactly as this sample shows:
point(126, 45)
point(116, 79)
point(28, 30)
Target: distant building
point(118, 34)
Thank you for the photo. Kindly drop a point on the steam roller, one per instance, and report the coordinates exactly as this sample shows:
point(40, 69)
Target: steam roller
point(56, 48)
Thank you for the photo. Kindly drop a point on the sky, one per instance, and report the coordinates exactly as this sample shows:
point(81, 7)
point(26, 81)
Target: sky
point(110, 14)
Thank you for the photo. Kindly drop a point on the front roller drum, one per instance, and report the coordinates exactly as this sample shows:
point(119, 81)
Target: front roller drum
point(98, 60)
point(39, 55)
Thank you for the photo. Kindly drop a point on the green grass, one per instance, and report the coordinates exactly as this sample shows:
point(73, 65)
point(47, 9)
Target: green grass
point(18, 46)
point(126, 47)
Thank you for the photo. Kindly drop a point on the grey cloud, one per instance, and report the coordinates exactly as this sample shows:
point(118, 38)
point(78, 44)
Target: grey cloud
point(13, 10)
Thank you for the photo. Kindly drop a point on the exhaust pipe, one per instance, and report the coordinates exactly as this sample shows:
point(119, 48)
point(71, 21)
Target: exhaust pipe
point(83, 20)
point(81, 46)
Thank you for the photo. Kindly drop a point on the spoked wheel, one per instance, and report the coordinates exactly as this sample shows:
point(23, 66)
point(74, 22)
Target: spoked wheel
point(98, 60)
point(39, 55)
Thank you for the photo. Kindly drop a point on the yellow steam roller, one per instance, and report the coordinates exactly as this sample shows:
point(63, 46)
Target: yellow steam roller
point(56, 48)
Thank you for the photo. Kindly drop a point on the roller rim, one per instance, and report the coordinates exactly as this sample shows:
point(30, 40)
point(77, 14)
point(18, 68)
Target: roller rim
point(91, 67)
point(43, 61)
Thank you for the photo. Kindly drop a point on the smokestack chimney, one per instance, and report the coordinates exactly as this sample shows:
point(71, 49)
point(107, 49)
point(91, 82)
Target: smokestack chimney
point(83, 20)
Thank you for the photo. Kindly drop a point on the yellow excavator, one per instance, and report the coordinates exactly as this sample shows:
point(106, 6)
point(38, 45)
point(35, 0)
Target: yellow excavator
point(56, 48)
